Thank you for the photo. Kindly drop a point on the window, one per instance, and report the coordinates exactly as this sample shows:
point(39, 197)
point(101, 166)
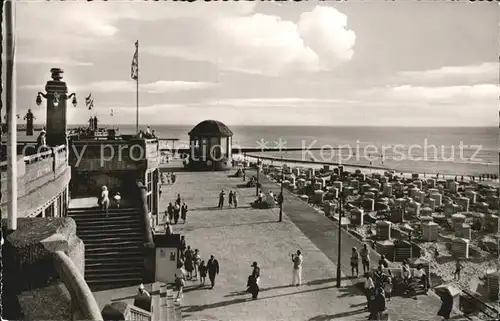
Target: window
point(223, 146)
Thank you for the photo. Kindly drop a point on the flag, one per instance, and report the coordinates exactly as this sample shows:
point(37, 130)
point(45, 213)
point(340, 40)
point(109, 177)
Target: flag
point(111, 112)
point(89, 101)
point(134, 70)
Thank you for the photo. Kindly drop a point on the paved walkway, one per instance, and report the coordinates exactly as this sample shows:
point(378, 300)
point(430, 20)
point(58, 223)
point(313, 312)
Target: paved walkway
point(237, 237)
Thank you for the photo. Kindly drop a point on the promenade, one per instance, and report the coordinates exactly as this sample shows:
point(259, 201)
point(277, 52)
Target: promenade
point(237, 237)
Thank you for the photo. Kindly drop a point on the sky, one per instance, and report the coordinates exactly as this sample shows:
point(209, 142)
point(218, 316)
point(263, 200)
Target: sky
point(377, 63)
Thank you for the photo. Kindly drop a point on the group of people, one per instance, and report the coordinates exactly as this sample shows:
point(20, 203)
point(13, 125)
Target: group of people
point(104, 201)
point(191, 266)
point(232, 199)
point(176, 211)
point(168, 178)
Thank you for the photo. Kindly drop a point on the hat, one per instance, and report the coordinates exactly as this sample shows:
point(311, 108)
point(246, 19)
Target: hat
point(141, 286)
point(254, 264)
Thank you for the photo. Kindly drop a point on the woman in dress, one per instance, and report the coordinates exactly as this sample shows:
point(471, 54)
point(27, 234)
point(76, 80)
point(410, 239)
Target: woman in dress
point(104, 200)
point(203, 272)
point(188, 263)
point(355, 262)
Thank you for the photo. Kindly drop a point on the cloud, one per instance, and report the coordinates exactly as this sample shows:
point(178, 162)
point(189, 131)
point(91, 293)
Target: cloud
point(277, 102)
point(158, 87)
point(56, 61)
point(484, 72)
point(266, 44)
point(449, 94)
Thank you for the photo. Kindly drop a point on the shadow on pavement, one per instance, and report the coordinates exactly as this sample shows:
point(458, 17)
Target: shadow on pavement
point(327, 317)
point(198, 308)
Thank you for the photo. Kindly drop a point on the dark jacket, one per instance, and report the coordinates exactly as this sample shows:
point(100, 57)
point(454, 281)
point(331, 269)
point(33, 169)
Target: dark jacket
point(213, 267)
point(256, 272)
point(446, 306)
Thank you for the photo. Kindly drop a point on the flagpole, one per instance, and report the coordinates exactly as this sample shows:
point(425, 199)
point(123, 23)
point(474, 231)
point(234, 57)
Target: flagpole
point(137, 92)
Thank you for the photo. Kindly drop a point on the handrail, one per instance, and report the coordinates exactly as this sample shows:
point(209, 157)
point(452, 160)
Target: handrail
point(143, 198)
point(483, 307)
point(136, 313)
point(81, 296)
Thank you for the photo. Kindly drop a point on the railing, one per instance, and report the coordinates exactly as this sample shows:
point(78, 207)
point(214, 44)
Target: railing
point(136, 313)
point(81, 296)
point(470, 304)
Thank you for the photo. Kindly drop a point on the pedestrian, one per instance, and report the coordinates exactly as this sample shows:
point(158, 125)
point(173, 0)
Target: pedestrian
point(184, 210)
point(183, 246)
point(458, 270)
point(177, 210)
point(378, 305)
point(179, 283)
point(297, 268)
point(203, 272)
point(117, 198)
point(355, 262)
point(178, 200)
point(383, 261)
point(230, 198)
point(170, 211)
point(188, 262)
point(196, 261)
point(173, 177)
point(168, 229)
point(446, 305)
point(253, 286)
point(235, 199)
point(369, 290)
point(213, 270)
point(256, 272)
point(388, 286)
point(365, 258)
point(104, 199)
point(221, 199)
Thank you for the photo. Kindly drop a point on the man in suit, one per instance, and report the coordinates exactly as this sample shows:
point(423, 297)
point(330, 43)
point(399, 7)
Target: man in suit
point(213, 269)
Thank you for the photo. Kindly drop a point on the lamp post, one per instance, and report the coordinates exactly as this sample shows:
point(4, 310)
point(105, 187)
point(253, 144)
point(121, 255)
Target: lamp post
point(258, 183)
point(244, 166)
point(339, 283)
point(56, 96)
point(281, 197)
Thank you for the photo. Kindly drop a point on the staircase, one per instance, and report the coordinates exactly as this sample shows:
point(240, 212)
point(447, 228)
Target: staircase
point(113, 246)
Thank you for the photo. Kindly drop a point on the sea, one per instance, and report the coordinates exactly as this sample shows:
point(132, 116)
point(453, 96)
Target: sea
point(432, 150)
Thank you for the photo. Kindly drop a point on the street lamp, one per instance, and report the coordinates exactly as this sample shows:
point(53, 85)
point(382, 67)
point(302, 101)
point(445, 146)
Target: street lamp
point(281, 196)
point(341, 169)
point(56, 98)
point(257, 184)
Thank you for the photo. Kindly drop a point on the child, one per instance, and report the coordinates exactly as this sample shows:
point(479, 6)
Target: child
point(117, 199)
point(203, 272)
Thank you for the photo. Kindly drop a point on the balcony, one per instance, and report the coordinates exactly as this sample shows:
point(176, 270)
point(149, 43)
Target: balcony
point(41, 177)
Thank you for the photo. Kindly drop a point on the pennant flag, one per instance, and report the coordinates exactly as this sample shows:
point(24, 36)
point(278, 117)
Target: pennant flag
point(111, 112)
point(89, 101)
point(134, 70)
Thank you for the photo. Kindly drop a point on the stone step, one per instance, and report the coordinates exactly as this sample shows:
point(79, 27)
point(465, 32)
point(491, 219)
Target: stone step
point(92, 271)
point(156, 301)
point(123, 248)
point(110, 259)
point(99, 236)
point(120, 230)
point(137, 239)
point(96, 209)
point(108, 220)
point(109, 253)
point(100, 285)
point(112, 277)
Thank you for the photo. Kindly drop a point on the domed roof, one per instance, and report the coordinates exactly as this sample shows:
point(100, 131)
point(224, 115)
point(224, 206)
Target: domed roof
point(210, 128)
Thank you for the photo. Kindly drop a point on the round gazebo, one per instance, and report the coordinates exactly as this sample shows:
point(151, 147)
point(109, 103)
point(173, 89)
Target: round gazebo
point(210, 145)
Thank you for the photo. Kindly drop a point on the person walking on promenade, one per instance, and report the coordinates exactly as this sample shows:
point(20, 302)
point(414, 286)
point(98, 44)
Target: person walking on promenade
point(173, 177)
point(177, 210)
point(378, 305)
point(355, 262)
point(297, 268)
point(458, 270)
point(188, 262)
point(213, 270)
point(256, 272)
point(179, 283)
point(178, 200)
point(230, 198)
point(369, 290)
point(184, 210)
point(104, 199)
point(221, 199)
point(196, 261)
point(235, 199)
point(183, 246)
point(170, 212)
point(365, 258)
point(253, 281)
point(388, 286)
point(203, 272)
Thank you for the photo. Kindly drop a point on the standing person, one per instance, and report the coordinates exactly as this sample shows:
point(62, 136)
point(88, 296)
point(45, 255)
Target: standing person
point(177, 210)
point(365, 258)
point(183, 246)
point(355, 262)
point(173, 177)
point(253, 286)
point(188, 262)
point(446, 305)
point(178, 200)
point(168, 229)
point(388, 286)
point(184, 210)
point(256, 272)
point(297, 268)
point(230, 198)
point(213, 270)
point(379, 305)
point(196, 261)
point(203, 272)
point(235, 199)
point(104, 200)
point(179, 283)
point(117, 198)
point(221, 199)
point(369, 290)
point(170, 211)
point(458, 270)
